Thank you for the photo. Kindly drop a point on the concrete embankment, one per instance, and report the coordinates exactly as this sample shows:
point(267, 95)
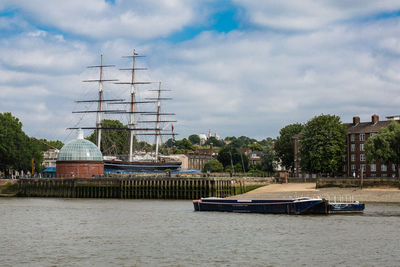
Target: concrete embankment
point(278, 191)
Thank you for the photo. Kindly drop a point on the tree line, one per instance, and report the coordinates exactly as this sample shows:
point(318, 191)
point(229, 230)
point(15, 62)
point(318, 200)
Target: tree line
point(322, 147)
point(19, 151)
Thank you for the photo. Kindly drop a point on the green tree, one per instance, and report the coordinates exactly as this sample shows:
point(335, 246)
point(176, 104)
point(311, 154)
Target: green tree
point(215, 142)
point(240, 142)
point(16, 149)
point(284, 145)
point(184, 145)
point(224, 156)
point(170, 143)
point(269, 160)
point(45, 144)
point(113, 142)
point(255, 146)
point(36, 154)
point(384, 146)
point(144, 146)
point(213, 165)
point(323, 145)
point(194, 139)
point(267, 142)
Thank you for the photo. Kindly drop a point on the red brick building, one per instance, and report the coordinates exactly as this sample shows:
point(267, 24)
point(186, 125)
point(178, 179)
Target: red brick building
point(357, 134)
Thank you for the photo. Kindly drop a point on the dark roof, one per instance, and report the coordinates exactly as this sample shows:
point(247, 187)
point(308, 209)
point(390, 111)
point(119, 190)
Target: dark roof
point(366, 127)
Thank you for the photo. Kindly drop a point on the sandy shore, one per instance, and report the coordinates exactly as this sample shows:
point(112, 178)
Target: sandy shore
point(277, 191)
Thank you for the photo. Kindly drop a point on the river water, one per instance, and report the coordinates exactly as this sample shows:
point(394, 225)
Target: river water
point(96, 232)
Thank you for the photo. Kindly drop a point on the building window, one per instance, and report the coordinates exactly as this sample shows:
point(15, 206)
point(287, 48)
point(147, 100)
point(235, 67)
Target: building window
point(362, 157)
point(383, 167)
point(371, 134)
point(361, 147)
point(352, 137)
point(362, 136)
point(362, 167)
point(353, 157)
point(353, 167)
point(393, 167)
point(352, 147)
point(373, 167)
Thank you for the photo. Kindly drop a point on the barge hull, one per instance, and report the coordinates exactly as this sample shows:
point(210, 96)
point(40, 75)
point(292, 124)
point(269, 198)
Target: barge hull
point(286, 206)
point(312, 206)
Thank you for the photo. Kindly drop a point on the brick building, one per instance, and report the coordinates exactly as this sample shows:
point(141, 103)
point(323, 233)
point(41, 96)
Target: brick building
point(357, 134)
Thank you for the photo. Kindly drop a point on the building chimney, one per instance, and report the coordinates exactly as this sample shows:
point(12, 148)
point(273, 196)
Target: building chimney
point(374, 118)
point(356, 120)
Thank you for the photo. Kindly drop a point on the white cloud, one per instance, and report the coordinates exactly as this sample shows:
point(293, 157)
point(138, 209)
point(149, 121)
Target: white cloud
point(240, 83)
point(253, 83)
point(311, 14)
point(99, 19)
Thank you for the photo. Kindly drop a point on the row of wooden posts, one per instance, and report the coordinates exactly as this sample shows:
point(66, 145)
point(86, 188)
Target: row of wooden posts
point(131, 188)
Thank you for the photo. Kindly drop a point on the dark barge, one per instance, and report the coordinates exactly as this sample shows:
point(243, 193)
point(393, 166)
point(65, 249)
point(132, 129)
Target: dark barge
point(276, 206)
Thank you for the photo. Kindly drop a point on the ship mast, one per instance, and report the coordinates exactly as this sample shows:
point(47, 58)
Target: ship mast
point(132, 108)
point(134, 130)
point(100, 100)
point(132, 111)
point(158, 118)
point(133, 102)
point(99, 115)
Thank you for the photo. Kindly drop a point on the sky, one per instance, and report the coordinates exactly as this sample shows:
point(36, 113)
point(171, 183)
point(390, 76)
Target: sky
point(233, 67)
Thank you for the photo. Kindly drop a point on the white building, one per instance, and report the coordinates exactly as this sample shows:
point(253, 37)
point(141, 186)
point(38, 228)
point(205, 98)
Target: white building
point(50, 157)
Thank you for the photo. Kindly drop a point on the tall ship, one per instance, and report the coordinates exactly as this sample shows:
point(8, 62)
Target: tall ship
point(155, 125)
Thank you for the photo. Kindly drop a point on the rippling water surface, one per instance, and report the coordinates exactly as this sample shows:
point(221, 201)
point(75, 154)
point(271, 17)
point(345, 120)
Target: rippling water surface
point(92, 232)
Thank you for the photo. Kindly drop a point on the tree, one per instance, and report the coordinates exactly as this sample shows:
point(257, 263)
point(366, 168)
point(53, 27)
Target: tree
point(267, 142)
point(45, 144)
point(170, 143)
point(194, 139)
point(184, 144)
point(224, 156)
point(384, 146)
point(16, 149)
point(215, 142)
point(240, 142)
point(113, 142)
point(323, 145)
point(269, 160)
point(213, 165)
point(255, 147)
point(284, 145)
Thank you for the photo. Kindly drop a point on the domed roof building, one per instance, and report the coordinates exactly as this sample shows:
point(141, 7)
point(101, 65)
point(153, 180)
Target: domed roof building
point(79, 158)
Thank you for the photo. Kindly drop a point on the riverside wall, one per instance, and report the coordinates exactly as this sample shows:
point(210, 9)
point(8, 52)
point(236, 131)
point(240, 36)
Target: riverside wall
point(356, 182)
point(131, 188)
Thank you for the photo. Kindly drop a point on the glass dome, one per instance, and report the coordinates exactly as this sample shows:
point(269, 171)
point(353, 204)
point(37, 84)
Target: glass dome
point(80, 149)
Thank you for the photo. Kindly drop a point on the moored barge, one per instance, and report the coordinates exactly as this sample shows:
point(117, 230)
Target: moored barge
point(276, 206)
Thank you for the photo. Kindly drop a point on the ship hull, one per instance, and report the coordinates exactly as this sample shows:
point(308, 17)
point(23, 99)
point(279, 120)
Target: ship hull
point(139, 166)
point(280, 206)
point(285, 206)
